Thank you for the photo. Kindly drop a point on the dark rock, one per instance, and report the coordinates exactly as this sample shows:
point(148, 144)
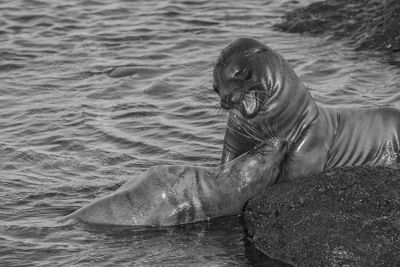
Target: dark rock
point(347, 216)
point(369, 24)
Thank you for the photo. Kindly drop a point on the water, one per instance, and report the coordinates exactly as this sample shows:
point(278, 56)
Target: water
point(92, 93)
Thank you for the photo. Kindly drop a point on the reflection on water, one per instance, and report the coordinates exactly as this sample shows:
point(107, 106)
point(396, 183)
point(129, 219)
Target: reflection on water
point(94, 92)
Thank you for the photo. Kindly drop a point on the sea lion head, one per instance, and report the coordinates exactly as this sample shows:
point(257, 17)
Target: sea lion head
point(248, 76)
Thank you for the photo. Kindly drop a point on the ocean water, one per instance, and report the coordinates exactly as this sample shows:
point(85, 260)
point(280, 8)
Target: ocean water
point(94, 92)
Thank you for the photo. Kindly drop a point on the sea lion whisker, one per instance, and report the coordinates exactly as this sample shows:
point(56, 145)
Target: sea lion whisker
point(253, 132)
point(266, 128)
point(245, 132)
point(261, 132)
point(262, 102)
point(258, 131)
point(219, 107)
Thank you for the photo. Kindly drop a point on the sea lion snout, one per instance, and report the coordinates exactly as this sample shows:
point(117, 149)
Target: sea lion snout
point(246, 101)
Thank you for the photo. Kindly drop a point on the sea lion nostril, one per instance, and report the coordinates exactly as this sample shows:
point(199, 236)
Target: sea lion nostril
point(236, 97)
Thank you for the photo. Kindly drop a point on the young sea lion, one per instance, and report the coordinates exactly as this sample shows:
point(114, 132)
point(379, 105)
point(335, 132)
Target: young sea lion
point(173, 195)
point(266, 99)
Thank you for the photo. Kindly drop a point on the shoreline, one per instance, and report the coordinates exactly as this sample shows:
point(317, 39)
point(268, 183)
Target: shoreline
point(365, 24)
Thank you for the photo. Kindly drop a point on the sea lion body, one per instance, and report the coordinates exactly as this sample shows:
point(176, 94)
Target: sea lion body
point(364, 137)
point(173, 195)
point(266, 99)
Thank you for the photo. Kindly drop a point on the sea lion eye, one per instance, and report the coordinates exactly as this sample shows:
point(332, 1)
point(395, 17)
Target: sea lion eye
point(244, 74)
point(260, 50)
point(236, 74)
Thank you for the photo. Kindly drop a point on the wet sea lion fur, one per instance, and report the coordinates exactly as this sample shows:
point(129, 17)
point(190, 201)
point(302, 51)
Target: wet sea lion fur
point(173, 195)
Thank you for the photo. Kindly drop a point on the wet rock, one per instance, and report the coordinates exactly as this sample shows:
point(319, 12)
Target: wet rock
point(369, 24)
point(347, 216)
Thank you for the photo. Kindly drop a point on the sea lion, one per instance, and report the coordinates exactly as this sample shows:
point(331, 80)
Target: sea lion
point(266, 99)
point(173, 195)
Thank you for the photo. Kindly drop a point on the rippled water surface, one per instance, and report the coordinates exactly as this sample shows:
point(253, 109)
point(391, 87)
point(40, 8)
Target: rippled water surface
point(94, 92)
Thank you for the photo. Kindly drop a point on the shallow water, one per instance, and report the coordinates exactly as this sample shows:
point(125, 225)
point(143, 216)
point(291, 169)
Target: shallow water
point(92, 93)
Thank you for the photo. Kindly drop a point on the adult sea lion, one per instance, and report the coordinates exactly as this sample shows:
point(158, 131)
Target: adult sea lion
point(173, 195)
point(266, 99)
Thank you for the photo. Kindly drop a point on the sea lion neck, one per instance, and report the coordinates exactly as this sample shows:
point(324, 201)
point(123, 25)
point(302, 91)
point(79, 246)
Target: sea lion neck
point(293, 113)
point(290, 108)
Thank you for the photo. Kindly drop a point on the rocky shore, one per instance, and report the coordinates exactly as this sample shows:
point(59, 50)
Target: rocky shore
point(347, 216)
point(367, 24)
